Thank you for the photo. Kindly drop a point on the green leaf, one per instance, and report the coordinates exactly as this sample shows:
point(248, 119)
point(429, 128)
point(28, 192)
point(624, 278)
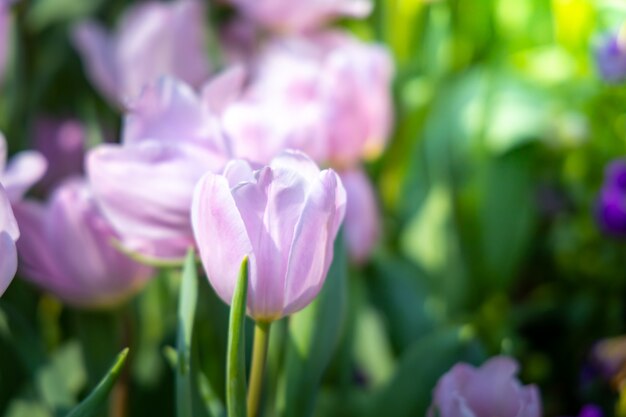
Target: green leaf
point(314, 334)
point(60, 381)
point(186, 309)
point(409, 391)
point(211, 400)
point(47, 12)
point(235, 356)
point(91, 405)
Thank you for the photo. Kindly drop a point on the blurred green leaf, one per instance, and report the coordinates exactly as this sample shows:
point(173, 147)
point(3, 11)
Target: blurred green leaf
point(186, 312)
point(313, 336)
point(236, 359)
point(508, 215)
point(409, 391)
point(213, 403)
point(60, 381)
point(21, 408)
point(44, 13)
point(91, 405)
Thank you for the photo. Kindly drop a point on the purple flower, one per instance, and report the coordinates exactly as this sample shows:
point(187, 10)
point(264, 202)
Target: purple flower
point(145, 185)
point(66, 249)
point(153, 39)
point(284, 216)
point(611, 58)
point(299, 15)
point(590, 410)
point(62, 143)
point(362, 224)
point(335, 91)
point(21, 173)
point(487, 391)
point(611, 203)
point(9, 233)
point(609, 356)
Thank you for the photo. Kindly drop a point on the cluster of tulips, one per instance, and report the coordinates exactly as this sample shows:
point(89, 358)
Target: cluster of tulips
point(252, 158)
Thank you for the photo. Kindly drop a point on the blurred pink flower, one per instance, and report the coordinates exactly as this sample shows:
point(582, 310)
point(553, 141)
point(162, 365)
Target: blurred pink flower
point(9, 233)
point(284, 216)
point(62, 143)
point(21, 172)
point(326, 94)
point(144, 186)
point(66, 249)
point(153, 39)
point(362, 224)
point(300, 15)
point(487, 391)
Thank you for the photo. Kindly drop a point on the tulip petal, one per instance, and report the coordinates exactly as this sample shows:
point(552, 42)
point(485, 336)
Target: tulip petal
point(223, 89)
point(157, 39)
point(167, 110)
point(362, 224)
point(98, 53)
point(37, 263)
point(220, 234)
point(146, 190)
point(8, 222)
point(22, 172)
point(312, 248)
point(101, 271)
point(8, 261)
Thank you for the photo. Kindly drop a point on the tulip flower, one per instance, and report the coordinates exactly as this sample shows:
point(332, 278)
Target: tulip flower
point(362, 224)
point(284, 217)
point(62, 143)
point(153, 39)
point(336, 91)
point(65, 248)
point(299, 15)
point(22, 172)
point(9, 233)
point(144, 186)
point(610, 57)
point(611, 202)
point(487, 391)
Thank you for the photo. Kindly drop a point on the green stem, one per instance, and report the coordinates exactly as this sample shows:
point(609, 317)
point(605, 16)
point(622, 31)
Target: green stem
point(259, 354)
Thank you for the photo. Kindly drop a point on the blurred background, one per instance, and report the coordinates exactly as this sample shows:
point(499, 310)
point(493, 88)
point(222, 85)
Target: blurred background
point(504, 125)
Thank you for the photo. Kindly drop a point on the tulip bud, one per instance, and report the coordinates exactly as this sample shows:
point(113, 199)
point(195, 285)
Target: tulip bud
point(144, 186)
point(66, 248)
point(299, 15)
point(23, 171)
point(336, 91)
point(9, 233)
point(284, 217)
point(487, 391)
point(153, 39)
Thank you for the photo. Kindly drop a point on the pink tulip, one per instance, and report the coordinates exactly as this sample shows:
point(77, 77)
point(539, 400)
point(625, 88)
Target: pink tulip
point(21, 172)
point(145, 185)
point(362, 224)
point(300, 15)
point(152, 40)
point(9, 233)
point(284, 216)
point(66, 249)
point(487, 391)
point(62, 143)
point(326, 94)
